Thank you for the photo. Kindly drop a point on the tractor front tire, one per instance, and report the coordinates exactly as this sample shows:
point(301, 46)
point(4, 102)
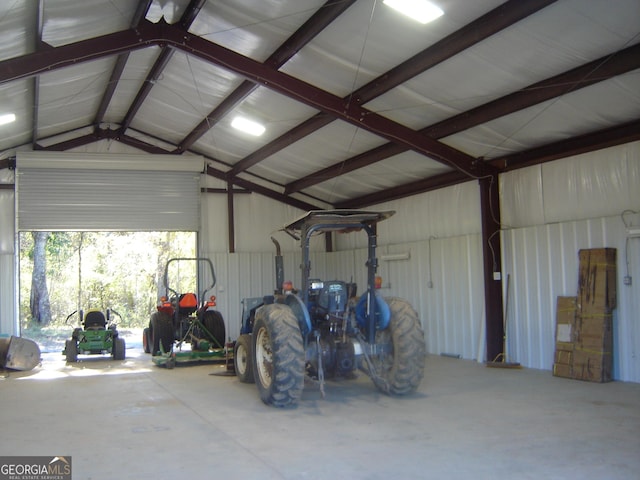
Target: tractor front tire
point(278, 355)
point(214, 323)
point(242, 361)
point(71, 351)
point(161, 332)
point(119, 348)
point(399, 368)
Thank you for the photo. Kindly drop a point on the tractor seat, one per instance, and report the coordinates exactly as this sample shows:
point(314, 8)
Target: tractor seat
point(95, 320)
point(188, 303)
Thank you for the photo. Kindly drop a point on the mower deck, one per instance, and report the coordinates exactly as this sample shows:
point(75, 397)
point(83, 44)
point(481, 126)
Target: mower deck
point(171, 359)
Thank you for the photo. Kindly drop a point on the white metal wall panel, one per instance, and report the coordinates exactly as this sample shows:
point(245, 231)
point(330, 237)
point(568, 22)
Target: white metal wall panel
point(542, 262)
point(7, 260)
point(8, 292)
point(451, 312)
point(571, 204)
point(7, 218)
point(595, 184)
point(446, 212)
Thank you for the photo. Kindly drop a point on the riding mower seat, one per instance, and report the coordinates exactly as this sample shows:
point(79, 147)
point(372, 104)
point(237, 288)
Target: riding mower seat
point(95, 320)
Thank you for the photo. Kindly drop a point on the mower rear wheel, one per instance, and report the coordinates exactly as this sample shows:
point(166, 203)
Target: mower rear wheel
point(214, 323)
point(242, 361)
point(146, 340)
point(278, 355)
point(71, 351)
point(119, 348)
point(161, 332)
point(399, 368)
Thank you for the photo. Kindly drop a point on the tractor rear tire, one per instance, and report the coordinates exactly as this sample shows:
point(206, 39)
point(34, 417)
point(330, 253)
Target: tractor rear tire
point(71, 351)
point(399, 369)
point(146, 340)
point(119, 348)
point(214, 323)
point(278, 355)
point(242, 359)
point(161, 332)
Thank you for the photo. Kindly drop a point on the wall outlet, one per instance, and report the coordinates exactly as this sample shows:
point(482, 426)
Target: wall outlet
point(497, 276)
point(627, 280)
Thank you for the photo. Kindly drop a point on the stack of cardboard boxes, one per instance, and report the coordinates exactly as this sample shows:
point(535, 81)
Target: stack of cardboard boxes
point(584, 324)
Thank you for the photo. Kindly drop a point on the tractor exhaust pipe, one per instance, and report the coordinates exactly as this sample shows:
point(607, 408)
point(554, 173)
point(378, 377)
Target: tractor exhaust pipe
point(279, 268)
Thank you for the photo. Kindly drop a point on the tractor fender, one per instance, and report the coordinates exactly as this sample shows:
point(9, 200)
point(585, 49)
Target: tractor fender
point(299, 309)
point(383, 312)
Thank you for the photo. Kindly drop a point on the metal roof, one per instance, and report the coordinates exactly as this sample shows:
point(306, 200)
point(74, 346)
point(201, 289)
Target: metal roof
point(360, 103)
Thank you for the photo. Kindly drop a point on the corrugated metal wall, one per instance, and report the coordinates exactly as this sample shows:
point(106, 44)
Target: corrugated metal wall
point(549, 213)
point(542, 262)
point(7, 258)
point(451, 310)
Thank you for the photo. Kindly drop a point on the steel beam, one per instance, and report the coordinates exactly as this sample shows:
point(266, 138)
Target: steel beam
point(322, 100)
point(318, 21)
point(593, 72)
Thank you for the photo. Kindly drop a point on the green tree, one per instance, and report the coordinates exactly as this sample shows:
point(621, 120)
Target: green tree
point(39, 304)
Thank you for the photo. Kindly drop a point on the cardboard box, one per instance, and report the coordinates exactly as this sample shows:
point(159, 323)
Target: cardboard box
point(565, 322)
point(563, 357)
point(594, 333)
point(565, 371)
point(597, 280)
point(592, 366)
point(565, 327)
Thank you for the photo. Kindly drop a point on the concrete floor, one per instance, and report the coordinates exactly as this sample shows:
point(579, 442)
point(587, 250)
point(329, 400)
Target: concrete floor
point(133, 420)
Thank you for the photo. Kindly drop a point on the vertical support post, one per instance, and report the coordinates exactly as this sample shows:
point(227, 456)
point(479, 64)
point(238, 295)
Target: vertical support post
point(491, 253)
point(230, 219)
point(328, 242)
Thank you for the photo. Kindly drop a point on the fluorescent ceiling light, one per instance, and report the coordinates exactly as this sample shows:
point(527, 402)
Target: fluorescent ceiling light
point(420, 10)
point(247, 126)
point(7, 118)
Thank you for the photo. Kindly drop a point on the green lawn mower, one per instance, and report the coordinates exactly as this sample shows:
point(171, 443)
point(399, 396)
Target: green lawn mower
point(97, 336)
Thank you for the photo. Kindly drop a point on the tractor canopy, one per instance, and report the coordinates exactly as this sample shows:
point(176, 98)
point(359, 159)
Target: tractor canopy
point(334, 220)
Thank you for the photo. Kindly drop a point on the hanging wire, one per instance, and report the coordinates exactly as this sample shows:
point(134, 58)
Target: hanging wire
point(572, 86)
point(334, 184)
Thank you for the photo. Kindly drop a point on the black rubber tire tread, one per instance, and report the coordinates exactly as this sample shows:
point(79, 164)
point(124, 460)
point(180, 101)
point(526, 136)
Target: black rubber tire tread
point(214, 323)
point(402, 372)
point(119, 348)
point(146, 340)
point(287, 350)
point(161, 331)
point(242, 359)
point(71, 351)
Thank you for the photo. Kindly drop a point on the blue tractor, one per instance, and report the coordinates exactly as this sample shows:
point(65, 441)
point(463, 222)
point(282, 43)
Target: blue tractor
point(324, 330)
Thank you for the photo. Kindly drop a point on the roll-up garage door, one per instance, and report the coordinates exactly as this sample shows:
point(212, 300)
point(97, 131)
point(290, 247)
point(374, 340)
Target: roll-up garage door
point(58, 191)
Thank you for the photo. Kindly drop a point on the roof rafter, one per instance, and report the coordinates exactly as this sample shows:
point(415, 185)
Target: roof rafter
point(160, 64)
point(589, 142)
point(105, 133)
point(580, 77)
point(320, 99)
point(39, 45)
point(318, 21)
point(498, 19)
point(121, 62)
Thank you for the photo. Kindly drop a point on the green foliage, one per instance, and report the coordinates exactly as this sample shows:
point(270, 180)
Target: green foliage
point(120, 271)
